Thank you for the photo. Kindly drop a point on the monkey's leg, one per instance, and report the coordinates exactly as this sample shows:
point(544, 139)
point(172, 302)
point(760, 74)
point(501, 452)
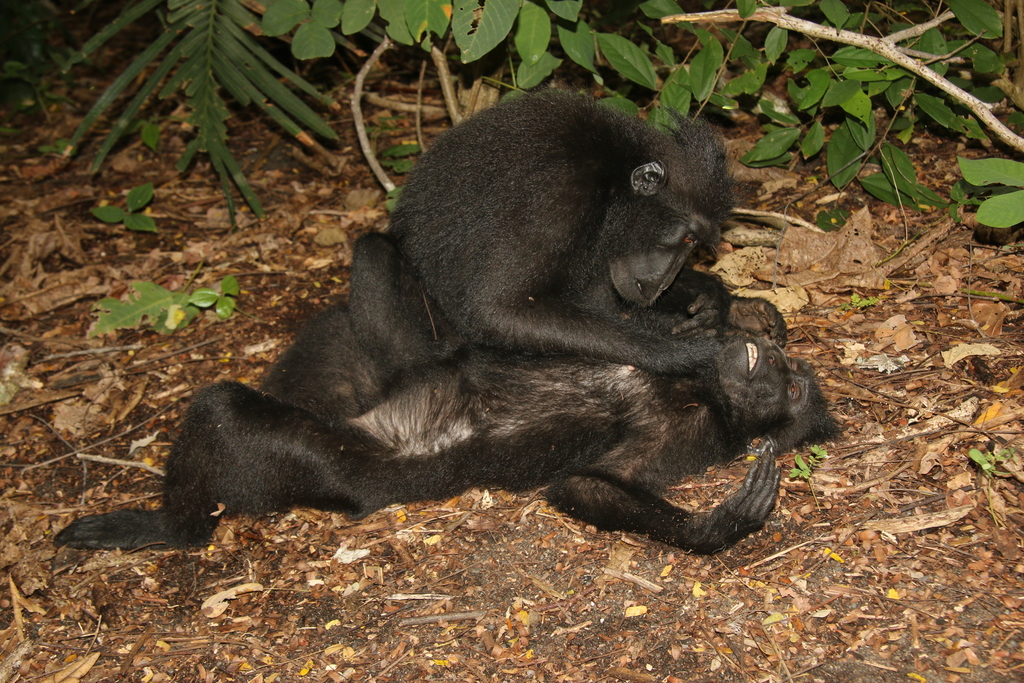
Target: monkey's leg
point(614, 506)
point(239, 452)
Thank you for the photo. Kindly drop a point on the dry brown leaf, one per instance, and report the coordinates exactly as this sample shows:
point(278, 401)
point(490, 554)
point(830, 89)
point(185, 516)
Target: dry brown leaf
point(217, 604)
point(738, 268)
point(808, 256)
point(929, 520)
point(961, 351)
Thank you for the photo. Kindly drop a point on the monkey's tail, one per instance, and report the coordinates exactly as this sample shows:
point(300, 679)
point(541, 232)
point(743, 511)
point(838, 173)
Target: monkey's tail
point(129, 529)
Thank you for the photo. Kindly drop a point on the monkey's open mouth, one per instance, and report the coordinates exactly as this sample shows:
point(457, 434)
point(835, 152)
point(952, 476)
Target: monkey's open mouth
point(751, 356)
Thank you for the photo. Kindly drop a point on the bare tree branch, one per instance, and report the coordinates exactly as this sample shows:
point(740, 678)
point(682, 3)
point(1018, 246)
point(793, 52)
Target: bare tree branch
point(357, 116)
point(884, 47)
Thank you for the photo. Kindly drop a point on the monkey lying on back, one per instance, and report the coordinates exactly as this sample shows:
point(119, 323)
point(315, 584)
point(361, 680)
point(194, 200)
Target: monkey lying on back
point(605, 439)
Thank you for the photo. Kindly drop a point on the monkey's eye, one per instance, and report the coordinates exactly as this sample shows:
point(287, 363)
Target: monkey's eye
point(771, 360)
point(794, 391)
point(687, 240)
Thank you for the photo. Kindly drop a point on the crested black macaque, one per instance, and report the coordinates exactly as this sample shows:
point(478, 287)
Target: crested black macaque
point(549, 224)
point(605, 439)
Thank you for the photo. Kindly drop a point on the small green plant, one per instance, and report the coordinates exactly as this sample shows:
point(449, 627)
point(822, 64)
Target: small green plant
point(149, 132)
point(989, 461)
point(804, 468)
point(133, 218)
point(996, 186)
point(399, 157)
point(858, 302)
point(165, 311)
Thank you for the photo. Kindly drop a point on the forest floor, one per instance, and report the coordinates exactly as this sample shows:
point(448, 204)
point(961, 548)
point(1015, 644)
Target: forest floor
point(900, 559)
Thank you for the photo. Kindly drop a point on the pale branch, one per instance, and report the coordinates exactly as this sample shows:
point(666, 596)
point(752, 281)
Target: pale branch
point(447, 89)
point(357, 116)
point(918, 29)
point(124, 463)
point(880, 46)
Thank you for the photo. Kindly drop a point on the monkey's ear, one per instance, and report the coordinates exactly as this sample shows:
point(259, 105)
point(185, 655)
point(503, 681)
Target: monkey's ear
point(649, 178)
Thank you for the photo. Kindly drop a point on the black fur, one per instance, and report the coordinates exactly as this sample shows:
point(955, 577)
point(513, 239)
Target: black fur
point(606, 439)
point(550, 222)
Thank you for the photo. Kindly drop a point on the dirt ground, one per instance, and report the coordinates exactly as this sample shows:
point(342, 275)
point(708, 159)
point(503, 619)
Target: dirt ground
point(900, 559)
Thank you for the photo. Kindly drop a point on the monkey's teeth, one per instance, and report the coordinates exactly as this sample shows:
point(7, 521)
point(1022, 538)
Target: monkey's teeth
point(751, 356)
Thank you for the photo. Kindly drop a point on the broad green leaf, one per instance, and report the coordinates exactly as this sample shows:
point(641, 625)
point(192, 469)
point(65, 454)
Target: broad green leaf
point(938, 111)
point(749, 82)
point(878, 185)
point(859, 105)
point(898, 91)
point(311, 41)
point(108, 214)
point(356, 15)
point(977, 17)
point(150, 134)
point(204, 297)
point(862, 132)
point(478, 30)
point(771, 146)
point(393, 12)
point(622, 104)
point(284, 15)
point(139, 196)
point(835, 11)
point(565, 9)
point(578, 42)
point(1003, 210)
point(664, 53)
point(149, 301)
point(813, 140)
point(900, 171)
point(842, 155)
point(656, 9)
point(873, 75)
point(799, 59)
point(140, 222)
point(529, 75)
point(985, 60)
point(704, 68)
point(992, 171)
point(858, 56)
point(746, 7)
point(327, 13)
point(229, 285)
point(818, 81)
point(628, 59)
point(533, 33)
point(225, 307)
point(427, 15)
point(784, 117)
point(838, 92)
point(972, 128)
point(775, 43)
point(675, 94)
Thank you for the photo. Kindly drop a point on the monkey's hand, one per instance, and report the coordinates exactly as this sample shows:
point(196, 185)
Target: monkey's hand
point(704, 316)
point(759, 317)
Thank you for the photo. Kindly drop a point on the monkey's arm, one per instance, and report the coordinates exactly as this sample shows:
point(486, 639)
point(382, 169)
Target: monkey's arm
point(615, 506)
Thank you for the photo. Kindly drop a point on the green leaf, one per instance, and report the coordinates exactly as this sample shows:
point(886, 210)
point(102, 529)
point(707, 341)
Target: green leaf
point(203, 297)
point(775, 43)
point(311, 41)
point(628, 59)
point(108, 214)
point(835, 11)
point(859, 105)
point(622, 104)
point(478, 30)
point(284, 15)
point(565, 9)
point(150, 135)
point(225, 307)
point(229, 286)
point(799, 59)
point(675, 94)
point(1003, 210)
point(704, 69)
point(656, 9)
point(140, 222)
point(818, 81)
point(813, 141)
point(426, 15)
point(839, 92)
point(858, 56)
point(841, 155)
point(139, 196)
point(533, 34)
point(327, 13)
point(783, 117)
point(578, 42)
point(977, 17)
point(992, 171)
point(357, 15)
point(746, 7)
point(393, 12)
point(771, 146)
point(938, 111)
point(749, 82)
point(878, 185)
point(529, 75)
point(150, 301)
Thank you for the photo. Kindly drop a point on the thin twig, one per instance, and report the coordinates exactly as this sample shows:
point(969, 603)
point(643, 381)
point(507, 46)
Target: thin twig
point(123, 463)
point(445, 76)
point(881, 46)
point(448, 616)
point(357, 116)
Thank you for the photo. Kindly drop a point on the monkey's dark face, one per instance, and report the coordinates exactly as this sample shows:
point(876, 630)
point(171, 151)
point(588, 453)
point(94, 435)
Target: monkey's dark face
point(658, 212)
point(772, 393)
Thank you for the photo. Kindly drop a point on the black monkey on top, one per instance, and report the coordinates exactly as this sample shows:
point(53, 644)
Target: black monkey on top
point(550, 222)
point(604, 438)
